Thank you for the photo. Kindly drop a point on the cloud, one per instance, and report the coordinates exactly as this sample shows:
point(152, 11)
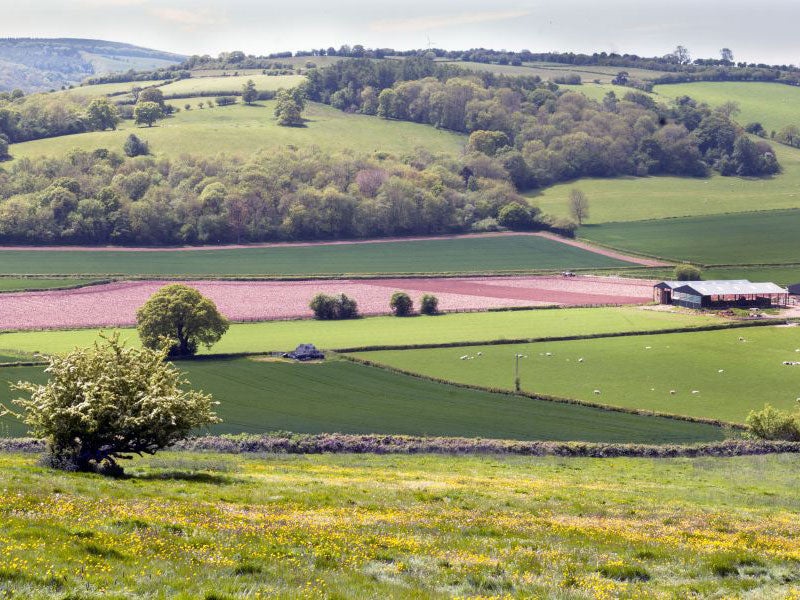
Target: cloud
point(444, 21)
point(186, 19)
point(109, 3)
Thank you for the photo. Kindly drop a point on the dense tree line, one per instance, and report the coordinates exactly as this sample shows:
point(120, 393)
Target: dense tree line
point(103, 197)
point(542, 136)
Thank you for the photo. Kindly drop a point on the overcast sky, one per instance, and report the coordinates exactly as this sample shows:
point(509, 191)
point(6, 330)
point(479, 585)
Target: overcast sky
point(756, 30)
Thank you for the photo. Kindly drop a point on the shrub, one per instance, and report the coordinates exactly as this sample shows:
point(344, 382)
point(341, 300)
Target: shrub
point(624, 572)
point(686, 272)
point(226, 100)
point(773, 424)
point(329, 308)
point(401, 304)
point(135, 147)
point(516, 216)
point(429, 305)
point(103, 403)
point(181, 317)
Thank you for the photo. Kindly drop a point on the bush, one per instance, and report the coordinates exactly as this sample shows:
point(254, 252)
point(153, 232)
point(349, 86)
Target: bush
point(624, 572)
point(429, 305)
point(108, 401)
point(330, 308)
point(773, 424)
point(516, 216)
point(687, 272)
point(135, 147)
point(401, 304)
point(226, 100)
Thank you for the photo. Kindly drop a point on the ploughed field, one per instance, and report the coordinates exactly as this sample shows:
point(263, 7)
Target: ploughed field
point(115, 304)
point(426, 256)
point(391, 331)
point(258, 396)
point(419, 526)
point(709, 374)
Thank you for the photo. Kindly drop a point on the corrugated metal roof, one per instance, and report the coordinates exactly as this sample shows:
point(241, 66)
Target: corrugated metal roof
point(676, 284)
point(729, 288)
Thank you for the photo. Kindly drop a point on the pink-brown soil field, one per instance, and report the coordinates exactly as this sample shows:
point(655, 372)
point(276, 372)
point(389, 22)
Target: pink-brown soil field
point(116, 303)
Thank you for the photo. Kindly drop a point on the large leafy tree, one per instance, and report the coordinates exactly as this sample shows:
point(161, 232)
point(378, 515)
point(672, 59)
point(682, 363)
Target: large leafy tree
point(249, 92)
point(180, 317)
point(289, 107)
point(147, 113)
point(102, 115)
point(109, 401)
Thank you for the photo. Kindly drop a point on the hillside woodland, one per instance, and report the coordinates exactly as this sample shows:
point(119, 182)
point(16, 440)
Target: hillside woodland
point(523, 134)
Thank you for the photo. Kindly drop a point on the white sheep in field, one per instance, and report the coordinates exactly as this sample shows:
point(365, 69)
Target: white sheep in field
point(721, 371)
point(465, 357)
point(741, 339)
point(695, 391)
point(580, 360)
point(672, 392)
point(597, 392)
point(548, 354)
point(648, 347)
point(480, 353)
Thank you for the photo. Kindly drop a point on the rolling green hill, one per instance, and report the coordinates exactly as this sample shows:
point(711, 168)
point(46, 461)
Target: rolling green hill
point(242, 130)
point(229, 85)
point(642, 198)
point(41, 64)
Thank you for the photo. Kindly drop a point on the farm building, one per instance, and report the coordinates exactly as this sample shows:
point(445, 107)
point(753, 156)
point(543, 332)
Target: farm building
point(720, 294)
point(794, 289)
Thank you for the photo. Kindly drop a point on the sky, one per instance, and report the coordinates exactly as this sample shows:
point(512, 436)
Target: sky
point(756, 31)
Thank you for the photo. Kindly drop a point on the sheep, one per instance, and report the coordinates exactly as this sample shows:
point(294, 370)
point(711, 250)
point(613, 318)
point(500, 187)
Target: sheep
point(695, 391)
point(741, 339)
point(580, 360)
point(672, 392)
point(480, 353)
point(465, 357)
point(597, 392)
point(648, 347)
point(721, 371)
point(548, 354)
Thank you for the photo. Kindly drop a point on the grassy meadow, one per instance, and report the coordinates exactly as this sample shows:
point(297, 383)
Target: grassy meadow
point(445, 255)
point(643, 198)
point(257, 396)
point(342, 526)
point(383, 331)
point(730, 239)
point(242, 130)
point(774, 105)
point(635, 372)
point(229, 85)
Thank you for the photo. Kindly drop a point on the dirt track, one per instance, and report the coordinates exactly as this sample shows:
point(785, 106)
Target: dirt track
point(115, 304)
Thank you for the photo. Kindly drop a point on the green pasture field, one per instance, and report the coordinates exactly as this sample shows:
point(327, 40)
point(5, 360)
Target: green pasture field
point(13, 284)
point(105, 89)
point(273, 336)
point(339, 396)
point(445, 255)
point(642, 198)
point(782, 275)
point(768, 237)
point(242, 130)
point(635, 372)
point(420, 526)
point(774, 105)
point(549, 71)
point(230, 84)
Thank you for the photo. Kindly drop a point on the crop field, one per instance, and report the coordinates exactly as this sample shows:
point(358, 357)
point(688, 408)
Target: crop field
point(730, 376)
point(422, 526)
point(774, 105)
point(392, 331)
point(445, 255)
point(105, 89)
point(743, 238)
point(641, 198)
point(13, 284)
point(337, 396)
point(115, 304)
point(242, 130)
point(230, 84)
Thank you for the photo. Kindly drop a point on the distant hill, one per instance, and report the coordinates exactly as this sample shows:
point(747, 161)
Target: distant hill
point(35, 65)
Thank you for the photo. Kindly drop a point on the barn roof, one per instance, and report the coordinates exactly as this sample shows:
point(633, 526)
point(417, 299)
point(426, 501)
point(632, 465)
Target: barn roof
point(676, 284)
point(729, 288)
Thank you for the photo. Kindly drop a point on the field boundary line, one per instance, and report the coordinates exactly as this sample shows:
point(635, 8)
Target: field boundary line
point(566, 338)
point(557, 399)
point(340, 443)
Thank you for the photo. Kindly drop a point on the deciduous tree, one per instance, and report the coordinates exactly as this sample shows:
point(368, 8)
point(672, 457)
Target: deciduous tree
point(102, 115)
point(181, 317)
point(578, 205)
point(147, 113)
